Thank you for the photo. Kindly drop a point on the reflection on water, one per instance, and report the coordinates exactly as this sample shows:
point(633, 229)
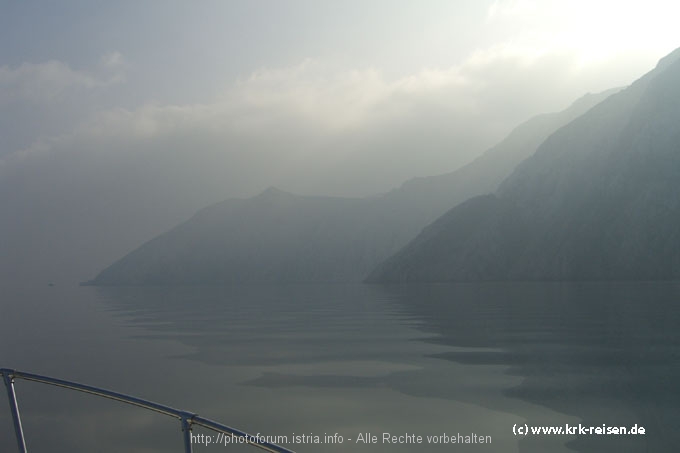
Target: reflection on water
point(352, 359)
point(606, 353)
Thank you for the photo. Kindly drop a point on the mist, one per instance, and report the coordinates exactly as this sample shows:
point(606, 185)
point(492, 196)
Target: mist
point(451, 219)
point(112, 137)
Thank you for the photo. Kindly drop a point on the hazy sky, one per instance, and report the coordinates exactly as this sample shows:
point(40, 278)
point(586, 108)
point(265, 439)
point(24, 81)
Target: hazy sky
point(179, 104)
point(329, 85)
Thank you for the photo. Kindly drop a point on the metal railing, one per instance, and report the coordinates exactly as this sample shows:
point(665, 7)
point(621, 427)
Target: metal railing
point(187, 419)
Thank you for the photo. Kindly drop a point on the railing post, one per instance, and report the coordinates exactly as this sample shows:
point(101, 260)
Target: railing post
point(8, 377)
point(187, 419)
point(186, 430)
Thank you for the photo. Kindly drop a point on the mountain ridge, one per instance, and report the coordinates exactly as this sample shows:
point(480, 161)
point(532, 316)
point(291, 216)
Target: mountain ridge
point(277, 236)
point(597, 201)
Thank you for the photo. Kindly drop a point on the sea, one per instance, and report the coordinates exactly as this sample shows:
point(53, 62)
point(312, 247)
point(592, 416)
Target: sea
point(469, 367)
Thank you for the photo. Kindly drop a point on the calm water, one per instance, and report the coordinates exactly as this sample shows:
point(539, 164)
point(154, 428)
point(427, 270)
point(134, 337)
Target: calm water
point(349, 359)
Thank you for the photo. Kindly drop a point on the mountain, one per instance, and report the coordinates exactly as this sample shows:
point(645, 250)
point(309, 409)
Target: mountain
point(275, 236)
point(599, 200)
point(282, 237)
point(436, 194)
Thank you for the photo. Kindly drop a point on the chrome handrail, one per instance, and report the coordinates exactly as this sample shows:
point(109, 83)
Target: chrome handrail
point(187, 419)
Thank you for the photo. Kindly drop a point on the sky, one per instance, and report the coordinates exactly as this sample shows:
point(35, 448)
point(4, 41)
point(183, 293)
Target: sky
point(148, 111)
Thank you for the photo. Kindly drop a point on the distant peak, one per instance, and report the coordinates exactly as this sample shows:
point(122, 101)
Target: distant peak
point(669, 59)
point(273, 192)
point(588, 98)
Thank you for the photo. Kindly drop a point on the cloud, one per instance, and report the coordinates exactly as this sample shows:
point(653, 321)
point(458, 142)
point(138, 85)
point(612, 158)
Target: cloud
point(54, 80)
point(43, 81)
point(310, 125)
point(113, 60)
point(39, 100)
